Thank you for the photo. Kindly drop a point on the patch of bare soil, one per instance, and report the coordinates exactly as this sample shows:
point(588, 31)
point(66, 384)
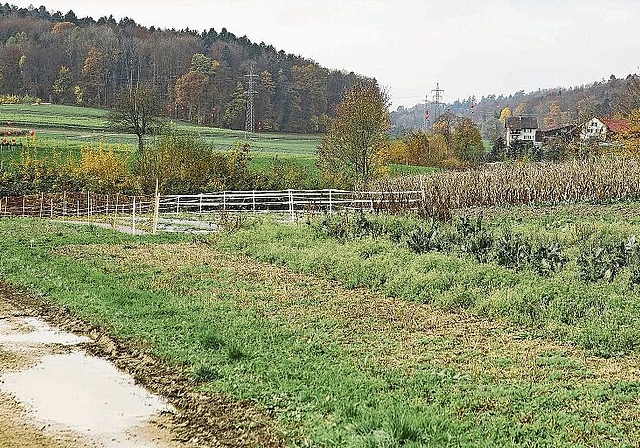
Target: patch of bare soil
point(202, 420)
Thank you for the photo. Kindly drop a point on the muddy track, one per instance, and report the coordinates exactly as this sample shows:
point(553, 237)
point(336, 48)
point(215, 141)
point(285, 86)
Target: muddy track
point(203, 419)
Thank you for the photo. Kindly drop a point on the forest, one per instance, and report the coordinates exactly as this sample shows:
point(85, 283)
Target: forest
point(200, 76)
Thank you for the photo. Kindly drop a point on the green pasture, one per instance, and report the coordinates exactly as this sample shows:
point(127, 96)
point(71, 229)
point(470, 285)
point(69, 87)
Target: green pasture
point(65, 130)
point(59, 126)
point(448, 351)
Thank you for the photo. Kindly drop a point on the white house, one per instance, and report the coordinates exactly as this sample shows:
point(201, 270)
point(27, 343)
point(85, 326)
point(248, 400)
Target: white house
point(522, 128)
point(602, 130)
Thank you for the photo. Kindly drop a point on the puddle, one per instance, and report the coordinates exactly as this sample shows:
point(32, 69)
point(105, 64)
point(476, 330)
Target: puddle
point(88, 395)
point(12, 332)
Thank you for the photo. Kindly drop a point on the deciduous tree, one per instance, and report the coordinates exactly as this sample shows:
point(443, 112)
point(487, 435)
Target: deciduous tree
point(137, 110)
point(506, 113)
point(555, 117)
point(94, 72)
point(350, 152)
point(62, 86)
point(467, 141)
point(630, 136)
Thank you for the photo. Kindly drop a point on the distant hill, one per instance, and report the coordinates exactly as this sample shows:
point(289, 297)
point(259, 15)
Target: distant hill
point(201, 75)
point(572, 105)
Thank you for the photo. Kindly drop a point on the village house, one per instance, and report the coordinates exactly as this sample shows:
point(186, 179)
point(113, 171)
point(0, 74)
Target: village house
point(602, 130)
point(522, 128)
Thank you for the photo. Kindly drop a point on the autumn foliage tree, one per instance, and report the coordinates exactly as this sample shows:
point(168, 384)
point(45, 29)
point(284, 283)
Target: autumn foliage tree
point(351, 152)
point(93, 71)
point(467, 141)
point(422, 149)
point(630, 136)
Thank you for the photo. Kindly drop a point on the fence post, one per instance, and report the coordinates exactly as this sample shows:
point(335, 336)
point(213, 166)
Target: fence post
point(41, 201)
point(23, 205)
point(133, 217)
point(78, 208)
point(254, 201)
point(424, 199)
point(64, 203)
point(293, 216)
point(107, 212)
point(156, 210)
point(115, 214)
point(88, 206)
point(177, 205)
point(224, 201)
point(52, 207)
point(201, 194)
point(330, 202)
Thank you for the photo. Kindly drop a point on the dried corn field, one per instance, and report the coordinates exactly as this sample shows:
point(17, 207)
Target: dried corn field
point(502, 184)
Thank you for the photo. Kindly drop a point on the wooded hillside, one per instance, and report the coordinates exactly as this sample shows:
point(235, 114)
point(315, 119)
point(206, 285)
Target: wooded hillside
point(200, 75)
point(552, 107)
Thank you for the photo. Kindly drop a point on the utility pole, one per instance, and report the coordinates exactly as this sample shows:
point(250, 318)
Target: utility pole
point(437, 97)
point(426, 113)
point(249, 124)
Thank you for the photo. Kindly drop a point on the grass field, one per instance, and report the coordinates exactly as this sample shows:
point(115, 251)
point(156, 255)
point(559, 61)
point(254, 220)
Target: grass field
point(76, 126)
point(67, 129)
point(361, 342)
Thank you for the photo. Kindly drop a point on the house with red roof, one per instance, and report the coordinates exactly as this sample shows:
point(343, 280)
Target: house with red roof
point(605, 129)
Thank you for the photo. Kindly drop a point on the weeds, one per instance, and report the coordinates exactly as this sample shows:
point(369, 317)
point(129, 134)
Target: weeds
point(204, 373)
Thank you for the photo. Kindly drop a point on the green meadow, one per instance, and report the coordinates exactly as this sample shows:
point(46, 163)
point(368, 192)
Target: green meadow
point(352, 337)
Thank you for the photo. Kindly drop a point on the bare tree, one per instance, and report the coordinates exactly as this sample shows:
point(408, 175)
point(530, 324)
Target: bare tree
point(137, 110)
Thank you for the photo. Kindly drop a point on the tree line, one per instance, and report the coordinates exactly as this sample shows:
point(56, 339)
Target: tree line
point(552, 107)
point(200, 76)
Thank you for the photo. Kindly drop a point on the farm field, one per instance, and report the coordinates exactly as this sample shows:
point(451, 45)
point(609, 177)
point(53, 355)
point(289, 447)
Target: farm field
point(67, 129)
point(355, 340)
point(87, 125)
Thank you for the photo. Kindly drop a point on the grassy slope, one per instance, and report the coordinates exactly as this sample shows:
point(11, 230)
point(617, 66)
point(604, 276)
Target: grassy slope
point(67, 129)
point(341, 368)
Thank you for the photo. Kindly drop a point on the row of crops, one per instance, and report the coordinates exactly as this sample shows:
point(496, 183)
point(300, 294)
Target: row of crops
point(594, 260)
point(598, 180)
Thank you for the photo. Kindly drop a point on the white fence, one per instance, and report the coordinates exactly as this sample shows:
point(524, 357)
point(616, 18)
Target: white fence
point(290, 201)
point(131, 211)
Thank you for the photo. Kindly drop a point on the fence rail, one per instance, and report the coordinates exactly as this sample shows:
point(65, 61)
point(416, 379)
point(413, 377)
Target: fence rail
point(86, 206)
point(290, 201)
point(77, 205)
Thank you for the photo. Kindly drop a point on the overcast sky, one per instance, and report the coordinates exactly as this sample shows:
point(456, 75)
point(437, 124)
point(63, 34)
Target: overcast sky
point(471, 47)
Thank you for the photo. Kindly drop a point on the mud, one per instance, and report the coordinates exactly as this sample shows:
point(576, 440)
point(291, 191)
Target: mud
point(58, 390)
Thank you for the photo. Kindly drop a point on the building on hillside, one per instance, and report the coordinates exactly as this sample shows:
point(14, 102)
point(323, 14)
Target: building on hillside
point(602, 130)
point(565, 133)
point(522, 128)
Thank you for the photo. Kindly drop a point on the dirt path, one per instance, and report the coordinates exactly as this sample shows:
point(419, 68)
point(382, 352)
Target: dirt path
point(57, 389)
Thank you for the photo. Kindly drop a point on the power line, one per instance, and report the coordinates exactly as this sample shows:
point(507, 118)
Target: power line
point(426, 113)
point(437, 97)
point(249, 124)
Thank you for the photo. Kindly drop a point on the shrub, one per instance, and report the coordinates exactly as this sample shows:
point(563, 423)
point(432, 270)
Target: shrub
point(421, 240)
point(473, 238)
point(185, 164)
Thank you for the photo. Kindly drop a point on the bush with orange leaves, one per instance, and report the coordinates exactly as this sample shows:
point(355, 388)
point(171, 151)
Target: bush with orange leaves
point(423, 149)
